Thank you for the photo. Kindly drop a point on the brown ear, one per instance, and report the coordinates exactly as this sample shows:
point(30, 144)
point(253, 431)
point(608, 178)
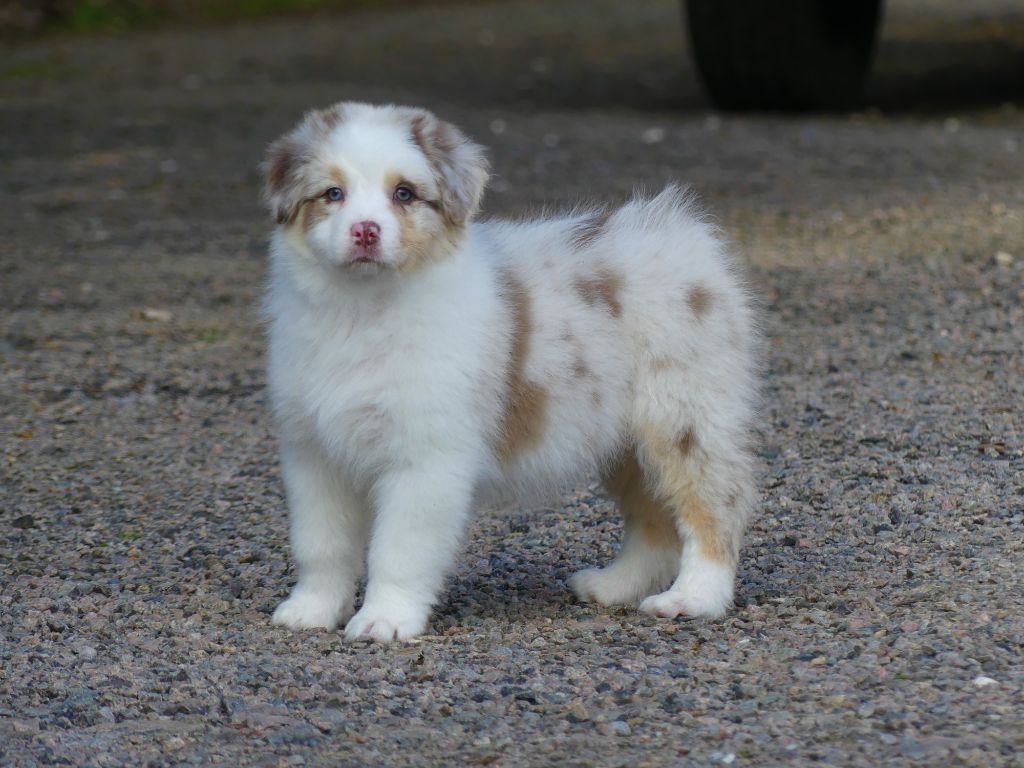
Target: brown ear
point(281, 178)
point(459, 165)
point(283, 189)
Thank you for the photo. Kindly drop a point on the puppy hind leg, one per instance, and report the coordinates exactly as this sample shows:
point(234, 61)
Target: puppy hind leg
point(709, 495)
point(649, 556)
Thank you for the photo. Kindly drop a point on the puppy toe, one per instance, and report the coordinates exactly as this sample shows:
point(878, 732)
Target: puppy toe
point(602, 586)
point(667, 605)
point(386, 625)
point(672, 603)
point(310, 610)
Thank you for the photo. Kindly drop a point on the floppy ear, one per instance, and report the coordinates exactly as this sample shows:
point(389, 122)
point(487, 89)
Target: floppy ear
point(286, 157)
point(282, 187)
point(459, 165)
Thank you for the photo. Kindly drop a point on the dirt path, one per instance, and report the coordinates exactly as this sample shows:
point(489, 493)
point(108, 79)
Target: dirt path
point(882, 589)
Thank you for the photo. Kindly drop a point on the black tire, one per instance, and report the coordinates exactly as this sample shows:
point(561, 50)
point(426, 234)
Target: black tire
point(783, 54)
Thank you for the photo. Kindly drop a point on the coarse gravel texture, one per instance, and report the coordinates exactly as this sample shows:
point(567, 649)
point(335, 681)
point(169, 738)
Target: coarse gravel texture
point(881, 595)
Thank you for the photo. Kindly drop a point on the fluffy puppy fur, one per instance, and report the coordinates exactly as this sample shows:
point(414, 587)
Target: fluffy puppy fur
point(418, 361)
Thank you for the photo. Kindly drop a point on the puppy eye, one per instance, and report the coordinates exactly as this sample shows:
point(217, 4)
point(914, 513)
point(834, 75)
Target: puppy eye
point(334, 194)
point(403, 194)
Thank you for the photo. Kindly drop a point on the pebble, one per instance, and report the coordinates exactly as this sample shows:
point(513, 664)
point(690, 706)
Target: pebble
point(653, 135)
point(157, 315)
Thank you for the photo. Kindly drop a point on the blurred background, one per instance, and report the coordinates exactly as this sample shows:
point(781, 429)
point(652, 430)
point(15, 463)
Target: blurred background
point(140, 96)
point(931, 53)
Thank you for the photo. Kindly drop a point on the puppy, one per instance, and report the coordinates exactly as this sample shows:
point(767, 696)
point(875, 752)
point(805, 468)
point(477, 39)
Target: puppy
point(419, 360)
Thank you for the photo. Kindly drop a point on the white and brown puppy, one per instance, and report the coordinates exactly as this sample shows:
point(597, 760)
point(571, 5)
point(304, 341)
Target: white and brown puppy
point(418, 360)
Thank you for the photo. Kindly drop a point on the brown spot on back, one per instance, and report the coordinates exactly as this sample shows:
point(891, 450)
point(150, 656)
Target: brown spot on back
point(699, 299)
point(589, 230)
point(686, 443)
point(580, 369)
point(522, 423)
point(601, 289)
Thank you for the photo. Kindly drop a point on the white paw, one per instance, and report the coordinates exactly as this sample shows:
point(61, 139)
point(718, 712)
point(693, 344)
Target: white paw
point(387, 623)
point(306, 610)
point(603, 586)
point(667, 605)
point(707, 593)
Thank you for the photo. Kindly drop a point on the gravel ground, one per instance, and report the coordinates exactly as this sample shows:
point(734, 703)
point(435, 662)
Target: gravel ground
point(879, 612)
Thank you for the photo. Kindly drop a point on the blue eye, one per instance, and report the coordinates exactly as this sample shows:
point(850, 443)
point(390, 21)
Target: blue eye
point(334, 194)
point(403, 194)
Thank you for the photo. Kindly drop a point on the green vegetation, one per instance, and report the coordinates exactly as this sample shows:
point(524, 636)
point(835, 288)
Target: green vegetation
point(112, 16)
point(40, 69)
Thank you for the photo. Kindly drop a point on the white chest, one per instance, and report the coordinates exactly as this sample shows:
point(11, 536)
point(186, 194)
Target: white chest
point(375, 392)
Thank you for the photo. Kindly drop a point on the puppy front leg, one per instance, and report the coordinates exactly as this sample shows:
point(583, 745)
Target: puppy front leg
point(420, 516)
point(328, 536)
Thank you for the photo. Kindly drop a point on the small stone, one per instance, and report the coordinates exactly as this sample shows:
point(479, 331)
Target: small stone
point(24, 522)
point(173, 744)
point(576, 713)
point(911, 747)
point(87, 652)
point(1004, 259)
point(984, 682)
point(156, 315)
point(653, 135)
point(25, 726)
point(621, 728)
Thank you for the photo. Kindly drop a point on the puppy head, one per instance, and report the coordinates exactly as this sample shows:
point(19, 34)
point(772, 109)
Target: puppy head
point(372, 188)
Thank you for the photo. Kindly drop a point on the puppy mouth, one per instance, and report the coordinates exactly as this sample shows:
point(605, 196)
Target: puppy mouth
point(365, 256)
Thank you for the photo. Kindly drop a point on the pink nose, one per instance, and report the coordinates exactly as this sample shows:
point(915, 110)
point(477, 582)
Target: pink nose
point(366, 233)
